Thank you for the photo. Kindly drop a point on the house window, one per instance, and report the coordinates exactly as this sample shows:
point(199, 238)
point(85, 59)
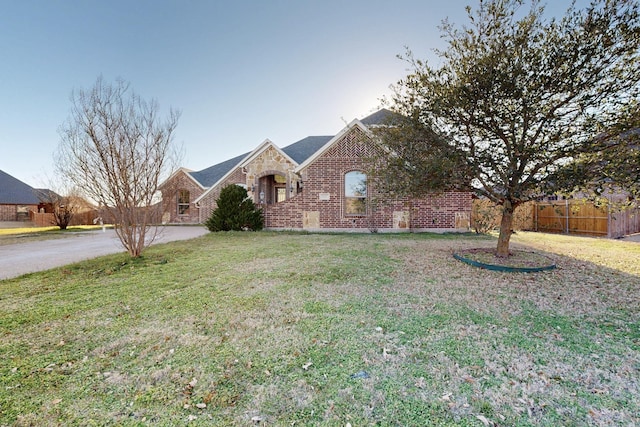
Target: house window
point(355, 193)
point(183, 202)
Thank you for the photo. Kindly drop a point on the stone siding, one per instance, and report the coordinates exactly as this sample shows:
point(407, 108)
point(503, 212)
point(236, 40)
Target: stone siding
point(270, 162)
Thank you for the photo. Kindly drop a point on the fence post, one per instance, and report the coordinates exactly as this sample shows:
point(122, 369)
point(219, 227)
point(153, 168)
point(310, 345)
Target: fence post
point(609, 218)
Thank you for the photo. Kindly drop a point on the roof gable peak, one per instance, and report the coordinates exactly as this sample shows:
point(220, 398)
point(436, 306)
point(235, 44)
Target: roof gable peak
point(355, 123)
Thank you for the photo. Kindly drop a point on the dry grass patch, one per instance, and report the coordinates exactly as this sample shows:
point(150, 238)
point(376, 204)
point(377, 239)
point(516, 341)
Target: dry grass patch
point(297, 329)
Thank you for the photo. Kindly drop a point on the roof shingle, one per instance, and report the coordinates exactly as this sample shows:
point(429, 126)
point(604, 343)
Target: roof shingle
point(209, 176)
point(299, 151)
point(303, 149)
point(381, 117)
point(15, 192)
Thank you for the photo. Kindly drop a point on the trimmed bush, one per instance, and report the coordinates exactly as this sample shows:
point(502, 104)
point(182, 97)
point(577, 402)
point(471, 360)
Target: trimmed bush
point(235, 211)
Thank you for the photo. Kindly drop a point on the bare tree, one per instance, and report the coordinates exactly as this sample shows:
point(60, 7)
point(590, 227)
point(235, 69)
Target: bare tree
point(117, 149)
point(62, 207)
point(62, 200)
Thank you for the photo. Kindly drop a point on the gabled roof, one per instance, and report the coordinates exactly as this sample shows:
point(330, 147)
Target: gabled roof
point(355, 123)
point(299, 152)
point(261, 149)
point(46, 196)
point(15, 192)
point(209, 176)
point(186, 172)
point(220, 171)
point(381, 118)
point(303, 149)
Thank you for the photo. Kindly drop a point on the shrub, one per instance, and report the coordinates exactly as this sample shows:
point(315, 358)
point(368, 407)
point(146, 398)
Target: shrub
point(486, 216)
point(235, 211)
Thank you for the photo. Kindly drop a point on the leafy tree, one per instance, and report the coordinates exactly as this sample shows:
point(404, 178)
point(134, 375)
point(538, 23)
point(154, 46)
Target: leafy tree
point(516, 96)
point(117, 150)
point(235, 211)
point(615, 165)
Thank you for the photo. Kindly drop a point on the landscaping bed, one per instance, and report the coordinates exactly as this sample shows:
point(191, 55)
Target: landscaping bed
point(518, 261)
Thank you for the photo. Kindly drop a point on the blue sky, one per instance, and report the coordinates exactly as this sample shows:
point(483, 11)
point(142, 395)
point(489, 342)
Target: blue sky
point(240, 71)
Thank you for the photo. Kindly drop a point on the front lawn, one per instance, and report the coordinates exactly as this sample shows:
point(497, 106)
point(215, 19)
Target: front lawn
point(319, 329)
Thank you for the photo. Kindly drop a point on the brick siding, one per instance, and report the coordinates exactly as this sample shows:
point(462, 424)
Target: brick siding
point(10, 212)
point(170, 200)
point(320, 204)
point(208, 203)
point(323, 193)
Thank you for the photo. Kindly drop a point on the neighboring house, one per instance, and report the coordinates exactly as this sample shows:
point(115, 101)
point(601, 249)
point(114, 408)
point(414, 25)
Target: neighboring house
point(317, 183)
point(16, 199)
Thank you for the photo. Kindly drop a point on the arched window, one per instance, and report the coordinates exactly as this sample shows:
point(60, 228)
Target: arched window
point(355, 193)
point(183, 202)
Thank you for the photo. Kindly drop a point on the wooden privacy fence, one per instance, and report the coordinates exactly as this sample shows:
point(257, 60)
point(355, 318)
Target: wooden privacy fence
point(574, 216)
point(47, 220)
point(584, 218)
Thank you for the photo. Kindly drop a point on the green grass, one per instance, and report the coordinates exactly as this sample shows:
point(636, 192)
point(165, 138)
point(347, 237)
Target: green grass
point(236, 328)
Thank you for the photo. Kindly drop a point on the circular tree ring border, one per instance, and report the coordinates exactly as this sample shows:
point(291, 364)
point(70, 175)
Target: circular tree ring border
point(503, 268)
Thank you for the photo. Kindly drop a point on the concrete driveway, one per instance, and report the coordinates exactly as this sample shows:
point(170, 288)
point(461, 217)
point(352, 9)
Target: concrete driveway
point(632, 238)
point(23, 258)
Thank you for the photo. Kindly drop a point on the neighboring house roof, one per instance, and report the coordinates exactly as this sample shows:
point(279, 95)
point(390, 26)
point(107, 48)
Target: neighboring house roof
point(15, 192)
point(46, 196)
point(209, 176)
point(303, 149)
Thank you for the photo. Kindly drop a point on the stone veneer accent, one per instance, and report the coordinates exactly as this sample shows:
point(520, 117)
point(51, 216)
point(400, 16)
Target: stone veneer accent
point(269, 162)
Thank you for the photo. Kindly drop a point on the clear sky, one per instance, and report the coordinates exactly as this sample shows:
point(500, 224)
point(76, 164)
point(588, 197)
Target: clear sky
point(240, 71)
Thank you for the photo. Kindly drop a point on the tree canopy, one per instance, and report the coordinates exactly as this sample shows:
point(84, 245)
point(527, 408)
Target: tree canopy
point(614, 167)
point(515, 98)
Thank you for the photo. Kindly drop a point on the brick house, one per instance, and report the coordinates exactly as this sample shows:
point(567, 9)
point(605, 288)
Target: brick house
point(317, 183)
point(17, 199)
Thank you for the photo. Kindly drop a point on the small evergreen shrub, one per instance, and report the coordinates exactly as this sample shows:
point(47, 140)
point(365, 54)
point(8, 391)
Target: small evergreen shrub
point(235, 211)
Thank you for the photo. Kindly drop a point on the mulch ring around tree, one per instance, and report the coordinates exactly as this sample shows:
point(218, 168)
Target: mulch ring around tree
point(517, 262)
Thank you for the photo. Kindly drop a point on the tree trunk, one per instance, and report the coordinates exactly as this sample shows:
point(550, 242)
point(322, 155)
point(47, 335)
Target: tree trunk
point(505, 229)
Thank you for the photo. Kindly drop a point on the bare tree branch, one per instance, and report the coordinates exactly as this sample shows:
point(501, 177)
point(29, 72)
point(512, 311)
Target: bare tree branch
point(117, 150)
